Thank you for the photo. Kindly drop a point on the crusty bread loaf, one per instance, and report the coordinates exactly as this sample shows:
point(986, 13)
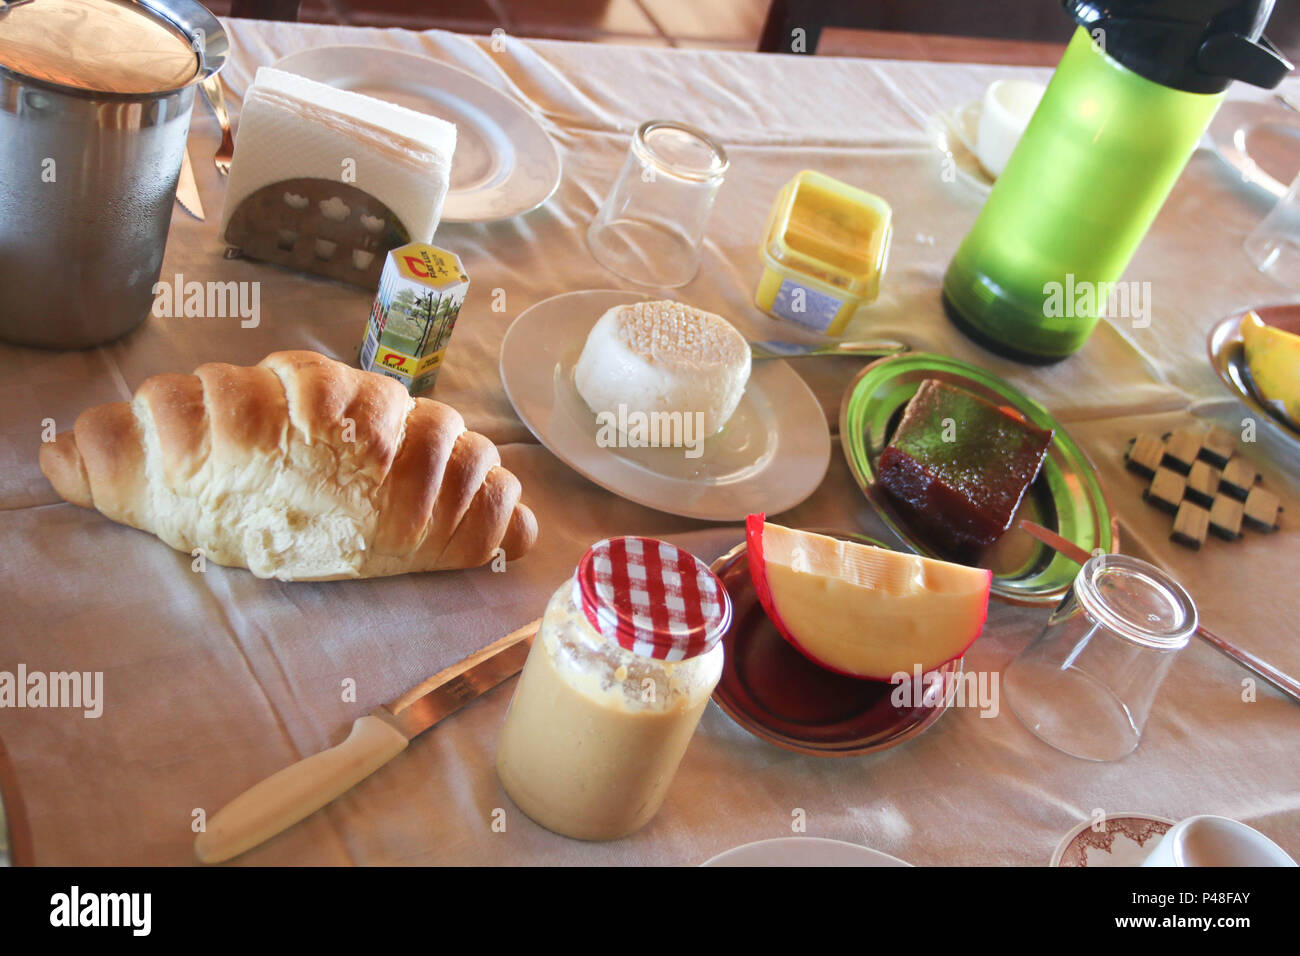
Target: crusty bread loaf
point(299, 468)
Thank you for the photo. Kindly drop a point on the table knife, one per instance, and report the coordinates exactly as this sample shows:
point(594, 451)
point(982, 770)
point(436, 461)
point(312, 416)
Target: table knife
point(1278, 678)
point(187, 190)
point(299, 790)
point(777, 349)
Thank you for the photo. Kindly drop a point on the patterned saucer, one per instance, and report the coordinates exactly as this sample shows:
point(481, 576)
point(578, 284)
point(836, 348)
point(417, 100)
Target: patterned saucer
point(1121, 839)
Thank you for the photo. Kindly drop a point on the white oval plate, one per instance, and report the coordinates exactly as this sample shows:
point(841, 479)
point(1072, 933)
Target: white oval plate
point(771, 455)
point(504, 165)
point(803, 851)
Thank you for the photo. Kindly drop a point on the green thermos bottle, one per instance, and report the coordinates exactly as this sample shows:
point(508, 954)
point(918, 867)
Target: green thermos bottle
point(1137, 86)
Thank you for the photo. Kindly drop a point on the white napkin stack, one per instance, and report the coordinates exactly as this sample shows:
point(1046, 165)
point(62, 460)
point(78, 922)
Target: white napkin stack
point(293, 127)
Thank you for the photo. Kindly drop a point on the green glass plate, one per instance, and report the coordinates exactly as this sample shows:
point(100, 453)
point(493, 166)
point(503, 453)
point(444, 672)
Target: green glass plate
point(1067, 496)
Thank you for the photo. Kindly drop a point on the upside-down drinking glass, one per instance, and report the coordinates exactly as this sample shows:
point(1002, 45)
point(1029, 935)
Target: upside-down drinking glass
point(650, 228)
point(1086, 683)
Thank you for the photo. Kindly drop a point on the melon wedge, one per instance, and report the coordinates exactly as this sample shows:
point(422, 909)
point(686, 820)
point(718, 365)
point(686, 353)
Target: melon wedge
point(863, 611)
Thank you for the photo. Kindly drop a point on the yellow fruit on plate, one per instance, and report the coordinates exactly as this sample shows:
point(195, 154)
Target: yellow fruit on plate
point(1273, 356)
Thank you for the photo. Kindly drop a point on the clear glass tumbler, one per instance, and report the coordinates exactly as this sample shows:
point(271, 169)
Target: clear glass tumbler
point(1274, 245)
point(651, 225)
point(1086, 683)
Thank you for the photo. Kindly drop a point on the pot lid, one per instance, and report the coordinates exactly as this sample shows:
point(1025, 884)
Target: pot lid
point(105, 46)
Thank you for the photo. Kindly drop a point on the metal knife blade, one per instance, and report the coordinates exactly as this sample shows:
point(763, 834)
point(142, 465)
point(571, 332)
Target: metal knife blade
point(778, 349)
point(187, 190)
point(453, 687)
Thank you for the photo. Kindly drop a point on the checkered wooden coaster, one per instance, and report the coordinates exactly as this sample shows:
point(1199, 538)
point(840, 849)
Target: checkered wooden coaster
point(1199, 478)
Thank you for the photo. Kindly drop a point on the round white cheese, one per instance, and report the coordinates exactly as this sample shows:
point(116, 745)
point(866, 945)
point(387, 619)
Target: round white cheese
point(663, 357)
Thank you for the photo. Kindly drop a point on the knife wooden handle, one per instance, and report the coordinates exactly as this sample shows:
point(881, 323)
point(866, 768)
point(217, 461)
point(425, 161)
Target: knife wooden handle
point(299, 790)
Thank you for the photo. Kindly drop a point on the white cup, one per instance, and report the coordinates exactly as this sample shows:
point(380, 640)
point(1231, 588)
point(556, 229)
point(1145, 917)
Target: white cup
point(1008, 107)
point(1216, 841)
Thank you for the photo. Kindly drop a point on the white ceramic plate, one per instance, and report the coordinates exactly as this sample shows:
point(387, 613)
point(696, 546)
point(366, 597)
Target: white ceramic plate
point(954, 134)
point(505, 164)
point(771, 455)
point(803, 851)
point(1260, 140)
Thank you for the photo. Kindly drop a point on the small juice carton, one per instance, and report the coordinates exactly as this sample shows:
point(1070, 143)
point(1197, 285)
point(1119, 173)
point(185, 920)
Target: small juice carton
point(420, 294)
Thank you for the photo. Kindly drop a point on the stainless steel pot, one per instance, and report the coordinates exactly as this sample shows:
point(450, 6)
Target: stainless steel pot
point(95, 101)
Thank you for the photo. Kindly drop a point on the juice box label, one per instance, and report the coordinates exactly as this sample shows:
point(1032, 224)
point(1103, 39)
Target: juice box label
point(421, 291)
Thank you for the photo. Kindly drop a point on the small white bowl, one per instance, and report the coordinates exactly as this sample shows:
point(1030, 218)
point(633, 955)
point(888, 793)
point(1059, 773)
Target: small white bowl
point(1216, 841)
point(1008, 107)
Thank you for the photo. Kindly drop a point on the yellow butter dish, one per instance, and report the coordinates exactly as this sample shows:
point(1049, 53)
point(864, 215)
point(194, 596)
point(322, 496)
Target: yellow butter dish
point(824, 251)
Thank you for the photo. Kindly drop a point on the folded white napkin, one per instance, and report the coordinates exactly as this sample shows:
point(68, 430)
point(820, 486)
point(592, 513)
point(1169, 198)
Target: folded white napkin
point(293, 127)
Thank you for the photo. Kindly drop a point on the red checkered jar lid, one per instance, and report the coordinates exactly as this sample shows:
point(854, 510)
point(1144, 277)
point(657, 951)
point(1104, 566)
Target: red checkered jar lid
point(651, 598)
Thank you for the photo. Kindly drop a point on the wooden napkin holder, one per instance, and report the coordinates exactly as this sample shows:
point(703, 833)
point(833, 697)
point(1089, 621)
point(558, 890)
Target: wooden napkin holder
point(330, 228)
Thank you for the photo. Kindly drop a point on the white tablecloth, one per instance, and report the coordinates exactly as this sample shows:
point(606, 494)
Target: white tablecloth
point(215, 680)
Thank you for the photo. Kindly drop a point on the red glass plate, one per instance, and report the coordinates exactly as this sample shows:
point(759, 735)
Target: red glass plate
point(779, 695)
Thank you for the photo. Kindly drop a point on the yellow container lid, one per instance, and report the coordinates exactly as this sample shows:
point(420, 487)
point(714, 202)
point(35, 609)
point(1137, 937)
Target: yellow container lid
point(830, 231)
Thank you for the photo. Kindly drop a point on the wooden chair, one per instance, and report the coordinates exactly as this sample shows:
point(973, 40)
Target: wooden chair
point(1037, 20)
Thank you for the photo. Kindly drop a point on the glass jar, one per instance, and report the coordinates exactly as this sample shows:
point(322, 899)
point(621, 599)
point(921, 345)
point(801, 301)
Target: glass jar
point(623, 666)
point(651, 225)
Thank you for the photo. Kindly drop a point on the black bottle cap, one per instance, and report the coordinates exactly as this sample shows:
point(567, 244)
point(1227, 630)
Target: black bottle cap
point(1195, 45)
